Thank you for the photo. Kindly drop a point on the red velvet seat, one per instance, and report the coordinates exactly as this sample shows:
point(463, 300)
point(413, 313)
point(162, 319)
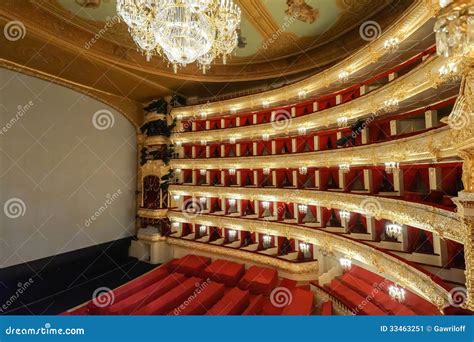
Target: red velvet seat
point(190, 265)
point(171, 299)
point(326, 308)
point(255, 306)
point(130, 288)
point(145, 296)
point(223, 271)
point(233, 303)
point(302, 302)
point(203, 301)
point(376, 295)
point(352, 299)
point(259, 280)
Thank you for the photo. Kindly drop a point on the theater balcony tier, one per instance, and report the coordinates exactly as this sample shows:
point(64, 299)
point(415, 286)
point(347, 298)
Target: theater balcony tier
point(415, 25)
point(434, 145)
point(420, 87)
point(394, 268)
point(442, 222)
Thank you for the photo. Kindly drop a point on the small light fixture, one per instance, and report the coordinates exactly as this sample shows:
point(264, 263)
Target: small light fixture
point(390, 105)
point(232, 201)
point(267, 238)
point(177, 170)
point(343, 76)
point(393, 230)
point(303, 170)
point(344, 214)
point(302, 94)
point(265, 136)
point(302, 208)
point(179, 143)
point(175, 224)
point(203, 172)
point(346, 263)
point(233, 110)
point(179, 116)
point(391, 167)
point(203, 200)
point(345, 167)
point(265, 204)
point(342, 121)
point(203, 142)
point(232, 171)
point(397, 293)
point(203, 115)
point(232, 140)
point(265, 103)
point(266, 171)
point(232, 235)
point(301, 130)
point(202, 229)
point(391, 44)
point(304, 247)
point(176, 197)
point(449, 72)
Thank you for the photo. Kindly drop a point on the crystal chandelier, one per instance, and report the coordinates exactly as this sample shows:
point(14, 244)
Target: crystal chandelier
point(343, 76)
point(391, 44)
point(266, 171)
point(344, 215)
point(344, 167)
point(183, 31)
point(302, 208)
point(390, 167)
point(449, 72)
point(346, 263)
point(303, 170)
point(397, 293)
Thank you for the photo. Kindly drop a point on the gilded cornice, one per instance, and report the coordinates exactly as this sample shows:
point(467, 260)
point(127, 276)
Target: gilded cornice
point(386, 264)
point(152, 213)
point(291, 267)
point(403, 28)
point(441, 143)
point(445, 223)
point(419, 80)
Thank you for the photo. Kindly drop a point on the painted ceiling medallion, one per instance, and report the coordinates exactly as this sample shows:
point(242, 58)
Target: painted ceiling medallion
point(183, 31)
point(302, 11)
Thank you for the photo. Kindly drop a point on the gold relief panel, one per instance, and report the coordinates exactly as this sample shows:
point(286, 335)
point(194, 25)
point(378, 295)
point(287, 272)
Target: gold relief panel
point(153, 168)
point(152, 213)
point(392, 267)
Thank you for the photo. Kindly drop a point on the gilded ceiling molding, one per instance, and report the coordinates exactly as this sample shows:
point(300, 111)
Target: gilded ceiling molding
point(419, 80)
point(434, 145)
point(296, 268)
point(417, 15)
point(393, 268)
point(443, 222)
point(132, 110)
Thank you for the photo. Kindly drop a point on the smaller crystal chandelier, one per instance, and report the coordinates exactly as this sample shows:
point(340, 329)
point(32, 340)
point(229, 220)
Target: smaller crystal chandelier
point(301, 130)
point(232, 202)
point(391, 44)
point(203, 172)
point(265, 136)
point(344, 214)
point(232, 171)
point(265, 103)
point(393, 230)
point(302, 208)
point(203, 142)
point(391, 167)
point(202, 230)
point(304, 247)
point(345, 263)
point(343, 76)
point(303, 170)
point(449, 73)
point(454, 29)
point(345, 167)
point(342, 121)
point(390, 105)
point(203, 200)
point(233, 110)
point(302, 94)
point(232, 140)
point(265, 205)
point(266, 171)
point(397, 293)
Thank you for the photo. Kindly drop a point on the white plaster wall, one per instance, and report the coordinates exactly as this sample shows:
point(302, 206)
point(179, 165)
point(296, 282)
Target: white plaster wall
point(63, 169)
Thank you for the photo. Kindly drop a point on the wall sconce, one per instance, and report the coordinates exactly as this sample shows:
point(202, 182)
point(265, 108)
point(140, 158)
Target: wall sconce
point(203, 200)
point(343, 76)
point(265, 205)
point(265, 136)
point(203, 142)
point(390, 167)
point(202, 230)
point(179, 143)
point(303, 170)
point(266, 171)
point(232, 235)
point(232, 171)
point(302, 208)
point(342, 121)
point(265, 103)
point(393, 230)
point(203, 172)
point(344, 167)
point(176, 197)
point(304, 247)
point(397, 293)
point(391, 44)
point(232, 140)
point(232, 202)
point(344, 214)
point(346, 263)
point(302, 94)
point(302, 130)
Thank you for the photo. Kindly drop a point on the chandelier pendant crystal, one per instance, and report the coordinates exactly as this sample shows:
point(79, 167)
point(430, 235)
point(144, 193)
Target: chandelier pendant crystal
point(183, 31)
